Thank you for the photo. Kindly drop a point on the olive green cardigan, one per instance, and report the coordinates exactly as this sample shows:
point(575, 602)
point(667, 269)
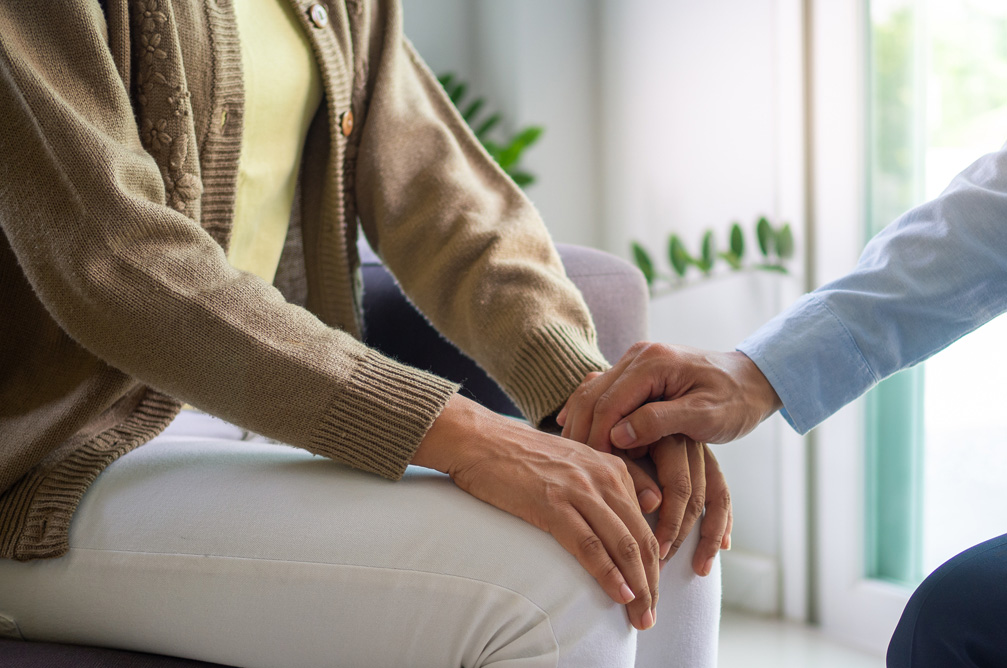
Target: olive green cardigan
point(120, 129)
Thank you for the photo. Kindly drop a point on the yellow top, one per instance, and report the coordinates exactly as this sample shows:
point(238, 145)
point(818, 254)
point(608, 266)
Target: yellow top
point(282, 93)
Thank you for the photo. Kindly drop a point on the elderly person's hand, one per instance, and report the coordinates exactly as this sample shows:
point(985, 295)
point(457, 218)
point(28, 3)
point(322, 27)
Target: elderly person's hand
point(586, 499)
point(657, 390)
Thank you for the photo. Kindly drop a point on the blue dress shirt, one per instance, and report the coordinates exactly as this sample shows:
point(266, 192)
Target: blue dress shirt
point(929, 278)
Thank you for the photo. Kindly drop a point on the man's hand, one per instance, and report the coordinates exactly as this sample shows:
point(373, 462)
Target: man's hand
point(584, 498)
point(657, 390)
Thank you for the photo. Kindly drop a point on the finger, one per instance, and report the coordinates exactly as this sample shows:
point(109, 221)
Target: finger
point(581, 415)
point(672, 460)
point(648, 492)
point(634, 387)
point(624, 549)
point(651, 422)
point(697, 502)
point(648, 542)
point(716, 525)
point(561, 416)
point(633, 519)
point(577, 537)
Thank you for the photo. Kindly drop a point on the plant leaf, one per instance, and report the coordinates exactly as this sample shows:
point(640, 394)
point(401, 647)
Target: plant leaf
point(486, 126)
point(458, 93)
point(678, 256)
point(510, 155)
point(643, 261)
point(446, 79)
point(737, 241)
point(765, 236)
point(774, 268)
point(785, 242)
point(522, 179)
point(473, 109)
point(707, 252)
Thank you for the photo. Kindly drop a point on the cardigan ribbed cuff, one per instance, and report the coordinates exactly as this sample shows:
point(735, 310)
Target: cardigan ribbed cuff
point(376, 423)
point(549, 366)
point(35, 513)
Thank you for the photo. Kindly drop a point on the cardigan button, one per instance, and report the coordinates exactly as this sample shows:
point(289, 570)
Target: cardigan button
point(346, 123)
point(318, 15)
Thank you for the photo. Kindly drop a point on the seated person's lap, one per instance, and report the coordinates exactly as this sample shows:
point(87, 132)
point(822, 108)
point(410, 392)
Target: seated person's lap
point(255, 554)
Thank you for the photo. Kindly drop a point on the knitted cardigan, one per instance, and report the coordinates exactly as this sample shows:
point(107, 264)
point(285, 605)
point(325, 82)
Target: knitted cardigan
point(120, 129)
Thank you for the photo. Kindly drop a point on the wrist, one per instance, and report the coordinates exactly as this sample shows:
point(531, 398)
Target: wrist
point(451, 435)
point(756, 387)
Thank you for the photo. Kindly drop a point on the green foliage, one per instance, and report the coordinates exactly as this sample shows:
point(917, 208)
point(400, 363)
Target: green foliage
point(643, 261)
point(706, 255)
point(737, 241)
point(776, 246)
point(506, 153)
point(764, 235)
point(677, 256)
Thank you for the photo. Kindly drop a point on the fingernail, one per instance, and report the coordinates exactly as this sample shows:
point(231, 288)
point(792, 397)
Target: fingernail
point(728, 545)
point(648, 619)
point(626, 592)
point(649, 501)
point(623, 435)
point(665, 549)
point(708, 566)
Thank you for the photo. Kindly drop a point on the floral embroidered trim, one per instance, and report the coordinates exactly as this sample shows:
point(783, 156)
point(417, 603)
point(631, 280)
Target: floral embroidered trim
point(159, 87)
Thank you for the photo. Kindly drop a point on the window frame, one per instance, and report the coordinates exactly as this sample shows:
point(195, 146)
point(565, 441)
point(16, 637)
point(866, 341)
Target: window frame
point(850, 605)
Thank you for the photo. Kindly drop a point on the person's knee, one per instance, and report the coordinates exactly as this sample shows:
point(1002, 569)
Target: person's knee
point(954, 617)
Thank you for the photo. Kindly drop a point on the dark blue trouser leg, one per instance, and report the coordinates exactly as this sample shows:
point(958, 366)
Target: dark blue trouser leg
point(958, 616)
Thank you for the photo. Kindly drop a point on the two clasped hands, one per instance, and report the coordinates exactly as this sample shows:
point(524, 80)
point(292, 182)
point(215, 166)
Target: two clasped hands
point(659, 401)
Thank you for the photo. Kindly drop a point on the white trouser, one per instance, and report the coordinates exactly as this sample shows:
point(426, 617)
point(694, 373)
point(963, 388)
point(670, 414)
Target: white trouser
point(247, 553)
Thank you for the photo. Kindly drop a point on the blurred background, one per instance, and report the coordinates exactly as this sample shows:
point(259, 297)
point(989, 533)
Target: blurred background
point(667, 117)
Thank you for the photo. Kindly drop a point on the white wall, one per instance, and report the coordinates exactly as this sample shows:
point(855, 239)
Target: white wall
point(536, 63)
point(660, 116)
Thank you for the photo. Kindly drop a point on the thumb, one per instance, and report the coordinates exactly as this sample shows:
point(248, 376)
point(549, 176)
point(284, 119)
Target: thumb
point(652, 422)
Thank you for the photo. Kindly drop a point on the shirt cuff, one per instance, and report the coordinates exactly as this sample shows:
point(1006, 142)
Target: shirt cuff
point(811, 360)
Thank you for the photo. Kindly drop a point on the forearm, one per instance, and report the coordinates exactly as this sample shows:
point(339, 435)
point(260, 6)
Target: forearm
point(934, 275)
point(464, 243)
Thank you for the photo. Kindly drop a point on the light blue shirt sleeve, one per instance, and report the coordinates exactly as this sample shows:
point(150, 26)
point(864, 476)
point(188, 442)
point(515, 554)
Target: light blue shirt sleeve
point(929, 278)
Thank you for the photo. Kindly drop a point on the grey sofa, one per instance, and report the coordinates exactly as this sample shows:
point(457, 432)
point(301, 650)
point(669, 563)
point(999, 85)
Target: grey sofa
point(615, 293)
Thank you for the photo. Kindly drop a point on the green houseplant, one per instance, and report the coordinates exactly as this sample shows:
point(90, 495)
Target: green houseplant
point(775, 249)
point(509, 150)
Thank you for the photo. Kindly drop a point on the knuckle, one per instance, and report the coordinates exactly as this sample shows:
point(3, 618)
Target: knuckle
point(638, 347)
point(592, 548)
point(628, 548)
point(580, 483)
point(610, 573)
point(696, 504)
point(680, 486)
point(604, 404)
point(652, 548)
point(659, 351)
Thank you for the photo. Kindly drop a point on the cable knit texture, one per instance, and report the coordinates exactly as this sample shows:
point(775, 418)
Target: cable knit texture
point(122, 131)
